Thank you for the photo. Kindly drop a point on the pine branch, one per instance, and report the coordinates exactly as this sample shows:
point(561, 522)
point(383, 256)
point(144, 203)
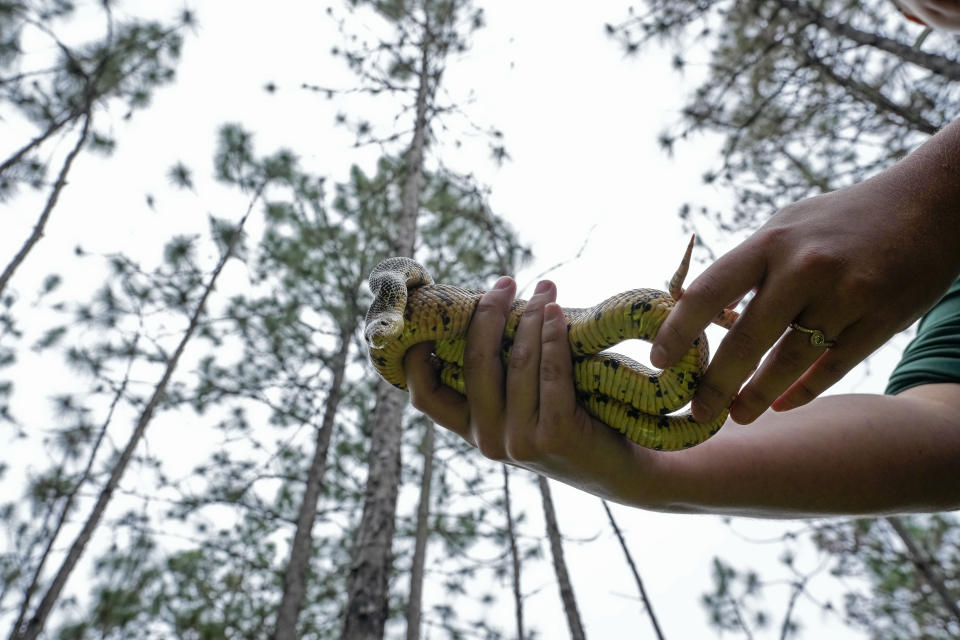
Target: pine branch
point(874, 96)
point(941, 65)
point(514, 554)
point(51, 129)
point(636, 574)
point(559, 564)
point(48, 207)
point(787, 627)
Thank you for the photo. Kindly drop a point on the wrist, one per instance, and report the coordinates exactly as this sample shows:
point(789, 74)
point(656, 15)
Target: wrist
point(929, 188)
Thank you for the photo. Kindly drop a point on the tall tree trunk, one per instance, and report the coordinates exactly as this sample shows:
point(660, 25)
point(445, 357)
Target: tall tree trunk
point(39, 618)
point(295, 576)
point(926, 566)
point(58, 186)
point(415, 600)
point(405, 240)
point(559, 564)
point(367, 584)
point(514, 554)
point(366, 611)
point(636, 574)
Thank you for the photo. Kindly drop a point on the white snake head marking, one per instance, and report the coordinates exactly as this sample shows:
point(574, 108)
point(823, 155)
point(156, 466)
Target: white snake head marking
point(383, 330)
point(389, 282)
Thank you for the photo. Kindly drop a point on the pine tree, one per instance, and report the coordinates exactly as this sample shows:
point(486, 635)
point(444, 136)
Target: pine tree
point(188, 288)
point(59, 98)
point(424, 34)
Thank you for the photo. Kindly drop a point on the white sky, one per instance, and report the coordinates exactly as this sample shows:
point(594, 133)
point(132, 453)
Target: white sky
point(580, 123)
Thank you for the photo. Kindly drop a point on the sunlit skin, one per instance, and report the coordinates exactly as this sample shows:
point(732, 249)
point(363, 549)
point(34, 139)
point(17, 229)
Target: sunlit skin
point(860, 264)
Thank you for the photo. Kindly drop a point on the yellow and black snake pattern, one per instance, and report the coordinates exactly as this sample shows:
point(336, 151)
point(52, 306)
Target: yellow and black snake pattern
point(409, 308)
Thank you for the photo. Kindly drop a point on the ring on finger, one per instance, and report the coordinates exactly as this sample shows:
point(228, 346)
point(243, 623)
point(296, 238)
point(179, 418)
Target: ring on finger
point(817, 337)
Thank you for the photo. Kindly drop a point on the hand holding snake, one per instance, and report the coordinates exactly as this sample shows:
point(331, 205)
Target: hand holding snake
point(858, 264)
point(409, 309)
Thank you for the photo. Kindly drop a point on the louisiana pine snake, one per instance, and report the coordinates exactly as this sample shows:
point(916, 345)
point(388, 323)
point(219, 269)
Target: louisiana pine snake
point(409, 308)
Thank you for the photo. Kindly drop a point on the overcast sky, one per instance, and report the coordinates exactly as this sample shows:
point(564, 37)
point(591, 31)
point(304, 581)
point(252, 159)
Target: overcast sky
point(580, 122)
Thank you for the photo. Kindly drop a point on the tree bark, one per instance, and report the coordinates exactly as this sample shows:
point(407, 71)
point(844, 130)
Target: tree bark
point(415, 600)
point(36, 624)
point(295, 576)
point(559, 564)
point(636, 574)
point(367, 584)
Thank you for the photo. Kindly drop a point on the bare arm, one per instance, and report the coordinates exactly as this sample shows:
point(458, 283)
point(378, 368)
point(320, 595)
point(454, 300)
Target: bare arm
point(842, 454)
point(838, 455)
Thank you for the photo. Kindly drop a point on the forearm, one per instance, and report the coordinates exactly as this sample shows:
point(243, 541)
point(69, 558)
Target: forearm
point(848, 454)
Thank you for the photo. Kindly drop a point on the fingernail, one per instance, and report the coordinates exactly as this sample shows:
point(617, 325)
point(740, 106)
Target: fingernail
point(741, 416)
point(503, 283)
point(552, 311)
point(783, 404)
point(658, 356)
point(542, 286)
point(701, 413)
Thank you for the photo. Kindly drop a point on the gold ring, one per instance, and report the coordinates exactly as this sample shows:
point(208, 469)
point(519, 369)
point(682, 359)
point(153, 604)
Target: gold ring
point(817, 339)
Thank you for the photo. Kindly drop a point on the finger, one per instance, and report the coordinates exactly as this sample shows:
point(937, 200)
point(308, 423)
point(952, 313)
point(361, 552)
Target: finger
point(740, 351)
point(725, 281)
point(853, 346)
point(439, 402)
point(788, 360)
point(557, 394)
point(482, 365)
point(523, 369)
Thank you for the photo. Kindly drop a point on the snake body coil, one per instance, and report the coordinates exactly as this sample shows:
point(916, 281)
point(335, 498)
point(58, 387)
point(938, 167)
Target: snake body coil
point(409, 308)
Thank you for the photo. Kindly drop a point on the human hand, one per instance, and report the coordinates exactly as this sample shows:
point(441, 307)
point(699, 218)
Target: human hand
point(525, 413)
point(858, 264)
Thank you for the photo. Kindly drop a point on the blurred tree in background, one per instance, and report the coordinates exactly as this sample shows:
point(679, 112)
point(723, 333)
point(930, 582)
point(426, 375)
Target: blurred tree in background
point(807, 96)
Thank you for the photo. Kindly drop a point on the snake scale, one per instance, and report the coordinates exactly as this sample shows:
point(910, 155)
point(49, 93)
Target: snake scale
point(409, 308)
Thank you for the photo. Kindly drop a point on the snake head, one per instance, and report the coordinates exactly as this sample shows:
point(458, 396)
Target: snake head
point(383, 329)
